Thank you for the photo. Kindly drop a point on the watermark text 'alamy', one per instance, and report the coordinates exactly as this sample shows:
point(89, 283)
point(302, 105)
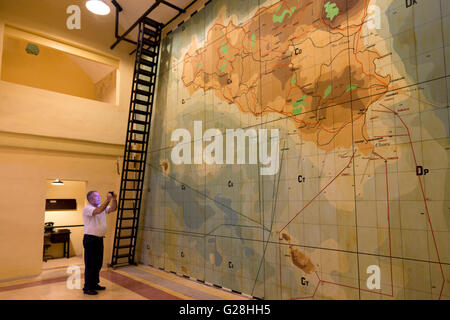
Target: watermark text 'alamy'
point(214, 151)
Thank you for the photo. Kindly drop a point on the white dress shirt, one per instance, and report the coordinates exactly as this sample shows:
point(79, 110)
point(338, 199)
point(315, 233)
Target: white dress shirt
point(94, 225)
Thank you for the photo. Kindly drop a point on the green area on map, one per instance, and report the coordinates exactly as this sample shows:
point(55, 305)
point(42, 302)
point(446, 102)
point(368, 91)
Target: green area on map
point(327, 92)
point(331, 9)
point(283, 15)
point(253, 38)
point(224, 47)
point(300, 102)
point(351, 87)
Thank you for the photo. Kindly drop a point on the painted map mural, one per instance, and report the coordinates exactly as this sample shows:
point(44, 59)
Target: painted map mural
point(358, 206)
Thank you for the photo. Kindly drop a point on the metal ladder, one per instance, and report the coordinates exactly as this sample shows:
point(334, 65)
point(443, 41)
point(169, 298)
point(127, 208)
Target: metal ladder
point(136, 145)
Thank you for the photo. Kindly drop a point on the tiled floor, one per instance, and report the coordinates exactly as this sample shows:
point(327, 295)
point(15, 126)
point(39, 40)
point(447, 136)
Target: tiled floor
point(128, 283)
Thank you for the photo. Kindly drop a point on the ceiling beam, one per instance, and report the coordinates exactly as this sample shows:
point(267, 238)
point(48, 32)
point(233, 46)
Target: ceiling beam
point(180, 13)
point(146, 13)
point(173, 6)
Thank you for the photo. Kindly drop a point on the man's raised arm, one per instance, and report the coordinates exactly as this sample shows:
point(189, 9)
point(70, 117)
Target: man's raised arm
point(113, 203)
point(103, 206)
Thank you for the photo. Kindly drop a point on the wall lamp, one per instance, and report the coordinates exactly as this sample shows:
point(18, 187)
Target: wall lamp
point(57, 182)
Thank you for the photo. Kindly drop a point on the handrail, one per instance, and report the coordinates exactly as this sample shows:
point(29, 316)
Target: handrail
point(69, 226)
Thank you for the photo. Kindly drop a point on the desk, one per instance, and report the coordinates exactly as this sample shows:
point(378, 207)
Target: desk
point(60, 236)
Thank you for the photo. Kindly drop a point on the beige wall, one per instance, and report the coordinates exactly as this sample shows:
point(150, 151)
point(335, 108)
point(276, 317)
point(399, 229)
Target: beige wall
point(62, 115)
point(44, 135)
point(44, 70)
point(24, 174)
point(106, 88)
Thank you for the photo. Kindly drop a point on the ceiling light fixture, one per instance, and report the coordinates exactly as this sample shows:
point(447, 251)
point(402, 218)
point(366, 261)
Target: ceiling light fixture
point(57, 182)
point(98, 7)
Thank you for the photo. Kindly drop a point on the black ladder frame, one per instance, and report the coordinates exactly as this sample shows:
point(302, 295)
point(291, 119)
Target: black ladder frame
point(136, 145)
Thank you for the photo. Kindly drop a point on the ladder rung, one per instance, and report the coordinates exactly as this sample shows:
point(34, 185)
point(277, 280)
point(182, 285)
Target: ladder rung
point(137, 109)
point(137, 131)
point(123, 247)
point(144, 83)
point(150, 32)
point(134, 170)
point(130, 209)
point(142, 92)
point(130, 199)
point(137, 141)
point(121, 256)
point(135, 161)
point(145, 73)
point(131, 218)
point(136, 151)
point(152, 22)
point(149, 42)
point(142, 112)
point(134, 189)
point(126, 237)
point(147, 63)
point(149, 53)
point(145, 103)
point(139, 122)
point(132, 180)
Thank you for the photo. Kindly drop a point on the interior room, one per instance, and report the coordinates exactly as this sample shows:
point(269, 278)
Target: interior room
point(224, 150)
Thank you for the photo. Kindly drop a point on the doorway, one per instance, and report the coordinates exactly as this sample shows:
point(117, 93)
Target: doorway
point(64, 220)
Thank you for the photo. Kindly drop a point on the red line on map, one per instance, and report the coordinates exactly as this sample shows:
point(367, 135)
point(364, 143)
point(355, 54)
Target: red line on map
point(392, 135)
point(323, 189)
point(390, 245)
point(279, 233)
point(381, 111)
point(365, 290)
point(388, 215)
point(424, 198)
point(281, 283)
point(389, 219)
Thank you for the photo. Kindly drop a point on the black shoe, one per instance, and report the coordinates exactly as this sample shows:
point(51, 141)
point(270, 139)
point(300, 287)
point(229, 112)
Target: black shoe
point(99, 287)
point(90, 292)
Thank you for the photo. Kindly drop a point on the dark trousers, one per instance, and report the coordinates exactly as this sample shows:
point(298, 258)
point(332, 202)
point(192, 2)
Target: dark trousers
point(93, 260)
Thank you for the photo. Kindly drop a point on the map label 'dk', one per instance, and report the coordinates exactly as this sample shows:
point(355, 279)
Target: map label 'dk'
point(410, 3)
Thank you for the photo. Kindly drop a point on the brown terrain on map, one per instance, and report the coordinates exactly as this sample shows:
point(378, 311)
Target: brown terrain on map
point(299, 59)
point(299, 259)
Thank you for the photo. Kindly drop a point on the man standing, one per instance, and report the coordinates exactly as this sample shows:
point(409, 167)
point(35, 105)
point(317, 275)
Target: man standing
point(94, 216)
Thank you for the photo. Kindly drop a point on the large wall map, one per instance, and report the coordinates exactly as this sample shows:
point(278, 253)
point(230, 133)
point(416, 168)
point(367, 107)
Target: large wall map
point(359, 205)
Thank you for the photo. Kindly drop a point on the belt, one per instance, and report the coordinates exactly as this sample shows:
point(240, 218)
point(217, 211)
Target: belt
point(90, 235)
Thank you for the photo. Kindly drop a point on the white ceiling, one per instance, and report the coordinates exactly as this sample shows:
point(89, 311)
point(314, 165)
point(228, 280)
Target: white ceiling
point(134, 9)
point(95, 70)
